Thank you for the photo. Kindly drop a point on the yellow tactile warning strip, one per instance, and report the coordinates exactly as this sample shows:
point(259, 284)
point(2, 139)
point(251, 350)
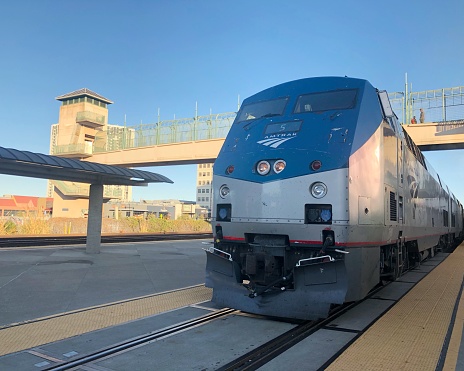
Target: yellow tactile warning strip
point(29, 335)
point(411, 335)
point(456, 338)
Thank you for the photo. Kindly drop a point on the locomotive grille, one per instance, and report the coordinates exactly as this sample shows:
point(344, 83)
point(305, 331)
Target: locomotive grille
point(393, 207)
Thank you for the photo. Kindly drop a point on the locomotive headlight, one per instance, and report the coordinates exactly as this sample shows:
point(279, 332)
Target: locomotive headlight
point(263, 167)
point(279, 165)
point(222, 213)
point(318, 189)
point(224, 191)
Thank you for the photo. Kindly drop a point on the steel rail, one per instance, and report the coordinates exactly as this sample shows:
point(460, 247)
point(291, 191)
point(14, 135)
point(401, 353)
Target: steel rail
point(49, 240)
point(111, 350)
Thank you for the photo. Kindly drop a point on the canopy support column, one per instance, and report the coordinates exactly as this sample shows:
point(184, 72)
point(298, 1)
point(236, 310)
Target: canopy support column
point(94, 222)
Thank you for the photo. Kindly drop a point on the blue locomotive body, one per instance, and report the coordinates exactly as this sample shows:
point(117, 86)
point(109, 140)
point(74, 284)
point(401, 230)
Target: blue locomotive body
point(318, 195)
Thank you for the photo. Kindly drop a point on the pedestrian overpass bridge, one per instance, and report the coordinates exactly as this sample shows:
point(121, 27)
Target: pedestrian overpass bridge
point(428, 136)
point(437, 136)
point(198, 140)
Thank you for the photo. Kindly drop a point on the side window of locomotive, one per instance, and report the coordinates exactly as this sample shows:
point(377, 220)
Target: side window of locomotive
point(326, 101)
point(268, 108)
point(390, 122)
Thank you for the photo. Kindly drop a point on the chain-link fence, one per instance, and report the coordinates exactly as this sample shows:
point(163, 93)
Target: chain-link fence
point(440, 105)
point(164, 132)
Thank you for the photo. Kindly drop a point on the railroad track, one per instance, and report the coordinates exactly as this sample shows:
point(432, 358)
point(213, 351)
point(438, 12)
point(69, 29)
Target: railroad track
point(252, 360)
point(109, 351)
point(266, 352)
point(52, 240)
point(249, 361)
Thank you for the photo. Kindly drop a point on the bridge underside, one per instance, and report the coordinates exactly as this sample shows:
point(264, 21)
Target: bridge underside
point(185, 153)
point(441, 147)
point(437, 136)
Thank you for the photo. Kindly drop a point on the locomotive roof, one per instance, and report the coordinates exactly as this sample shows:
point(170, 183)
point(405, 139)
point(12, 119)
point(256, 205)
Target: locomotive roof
point(310, 84)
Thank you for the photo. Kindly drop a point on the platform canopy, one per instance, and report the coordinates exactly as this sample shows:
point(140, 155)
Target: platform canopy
point(37, 165)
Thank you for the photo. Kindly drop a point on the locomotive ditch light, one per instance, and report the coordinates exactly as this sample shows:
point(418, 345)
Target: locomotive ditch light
point(318, 214)
point(326, 215)
point(224, 191)
point(224, 212)
point(318, 189)
point(279, 165)
point(263, 167)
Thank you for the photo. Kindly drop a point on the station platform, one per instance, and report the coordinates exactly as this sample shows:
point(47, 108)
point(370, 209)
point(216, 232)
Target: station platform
point(53, 293)
point(423, 331)
point(49, 294)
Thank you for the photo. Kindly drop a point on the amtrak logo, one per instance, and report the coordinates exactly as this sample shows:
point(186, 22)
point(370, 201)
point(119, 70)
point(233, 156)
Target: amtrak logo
point(273, 142)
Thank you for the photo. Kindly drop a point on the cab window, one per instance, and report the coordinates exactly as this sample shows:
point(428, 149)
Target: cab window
point(257, 110)
point(326, 101)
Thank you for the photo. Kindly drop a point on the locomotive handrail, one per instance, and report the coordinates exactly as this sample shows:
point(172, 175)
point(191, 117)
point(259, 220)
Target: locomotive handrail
point(212, 250)
point(317, 257)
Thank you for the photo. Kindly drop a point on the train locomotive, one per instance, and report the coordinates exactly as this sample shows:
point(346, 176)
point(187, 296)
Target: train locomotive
point(318, 195)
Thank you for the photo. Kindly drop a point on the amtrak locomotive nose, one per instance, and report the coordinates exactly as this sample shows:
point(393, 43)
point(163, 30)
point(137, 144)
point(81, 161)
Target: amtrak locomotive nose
point(305, 187)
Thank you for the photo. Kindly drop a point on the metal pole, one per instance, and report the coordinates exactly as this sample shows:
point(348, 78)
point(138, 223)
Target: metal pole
point(123, 146)
point(158, 128)
point(195, 122)
point(443, 115)
point(406, 98)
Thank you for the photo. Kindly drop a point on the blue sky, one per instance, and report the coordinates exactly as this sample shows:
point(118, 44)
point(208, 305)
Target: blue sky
point(145, 55)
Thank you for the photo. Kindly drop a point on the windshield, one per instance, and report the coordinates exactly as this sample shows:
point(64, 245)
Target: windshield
point(325, 101)
point(257, 110)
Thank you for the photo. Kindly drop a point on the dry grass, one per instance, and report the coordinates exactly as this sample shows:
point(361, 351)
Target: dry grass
point(40, 226)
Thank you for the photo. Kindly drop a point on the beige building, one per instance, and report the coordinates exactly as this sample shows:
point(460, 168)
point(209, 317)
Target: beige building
point(169, 209)
point(81, 130)
point(204, 186)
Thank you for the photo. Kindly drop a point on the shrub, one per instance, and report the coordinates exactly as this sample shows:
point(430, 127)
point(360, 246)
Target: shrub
point(35, 226)
point(10, 227)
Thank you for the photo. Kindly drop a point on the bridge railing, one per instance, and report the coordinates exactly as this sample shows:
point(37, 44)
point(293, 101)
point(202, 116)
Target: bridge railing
point(164, 132)
point(439, 105)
